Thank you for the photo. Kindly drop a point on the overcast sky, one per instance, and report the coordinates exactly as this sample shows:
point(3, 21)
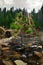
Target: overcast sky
point(28, 4)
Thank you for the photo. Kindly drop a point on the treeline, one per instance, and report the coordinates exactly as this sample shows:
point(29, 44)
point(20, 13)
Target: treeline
point(38, 18)
point(8, 17)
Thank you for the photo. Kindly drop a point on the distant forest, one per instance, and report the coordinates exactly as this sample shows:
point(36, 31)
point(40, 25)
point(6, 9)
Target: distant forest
point(7, 18)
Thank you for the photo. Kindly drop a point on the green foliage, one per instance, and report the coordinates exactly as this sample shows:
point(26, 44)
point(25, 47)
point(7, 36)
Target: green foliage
point(37, 24)
point(30, 26)
point(12, 26)
point(29, 31)
point(19, 21)
point(15, 26)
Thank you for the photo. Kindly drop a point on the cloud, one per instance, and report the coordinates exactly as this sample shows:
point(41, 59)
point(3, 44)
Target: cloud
point(19, 3)
point(28, 4)
point(33, 4)
point(8, 2)
point(1, 4)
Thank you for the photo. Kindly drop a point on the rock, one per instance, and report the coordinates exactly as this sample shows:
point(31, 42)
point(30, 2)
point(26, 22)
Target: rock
point(39, 54)
point(8, 62)
point(19, 62)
